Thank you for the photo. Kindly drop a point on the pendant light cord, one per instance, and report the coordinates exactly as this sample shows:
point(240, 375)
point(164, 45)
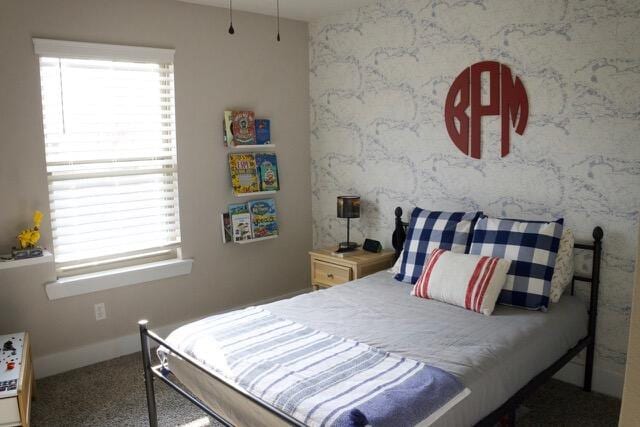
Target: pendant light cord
point(278, 18)
point(231, 30)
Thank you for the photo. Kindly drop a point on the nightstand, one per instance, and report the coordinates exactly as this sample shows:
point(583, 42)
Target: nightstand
point(329, 270)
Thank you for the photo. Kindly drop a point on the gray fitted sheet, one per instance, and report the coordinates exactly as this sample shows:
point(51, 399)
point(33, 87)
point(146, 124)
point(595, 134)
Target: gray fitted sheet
point(493, 356)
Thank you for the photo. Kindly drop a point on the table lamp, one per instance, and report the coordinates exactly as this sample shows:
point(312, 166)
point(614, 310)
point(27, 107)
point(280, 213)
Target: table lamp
point(348, 207)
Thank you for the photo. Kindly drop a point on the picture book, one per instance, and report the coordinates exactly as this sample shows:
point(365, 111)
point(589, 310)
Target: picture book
point(263, 218)
point(238, 208)
point(243, 128)
point(240, 222)
point(267, 166)
point(263, 131)
point(244, 176)
point(226, 126)
point(225, 223)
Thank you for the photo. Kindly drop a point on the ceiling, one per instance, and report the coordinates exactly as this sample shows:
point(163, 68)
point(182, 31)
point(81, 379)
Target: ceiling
point(303, 10)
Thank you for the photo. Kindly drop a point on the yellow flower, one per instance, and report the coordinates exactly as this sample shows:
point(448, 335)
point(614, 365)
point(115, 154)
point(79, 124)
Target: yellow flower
point(24, 238)
point(31, 236)
point(37, 218)
point(34, 238)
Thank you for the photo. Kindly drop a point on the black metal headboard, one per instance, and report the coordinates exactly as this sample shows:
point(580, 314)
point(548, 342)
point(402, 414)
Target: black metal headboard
point(399, 233)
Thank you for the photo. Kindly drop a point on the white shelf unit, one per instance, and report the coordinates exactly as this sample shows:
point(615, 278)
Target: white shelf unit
point(251, 147)
point(244, 148)
point(16, 263)
point(259, 239)
point(255, 193)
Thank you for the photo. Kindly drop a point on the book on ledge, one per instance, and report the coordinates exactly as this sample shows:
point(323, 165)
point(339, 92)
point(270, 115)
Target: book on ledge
point(267, 166)
point(243, 128)
point(227, 231)
point(244, 175)
point(227, 134)
point(263, 218)
point(240, 222)
point(263, 132)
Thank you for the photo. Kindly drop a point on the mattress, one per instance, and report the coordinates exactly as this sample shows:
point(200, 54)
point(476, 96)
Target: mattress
point(494, 356)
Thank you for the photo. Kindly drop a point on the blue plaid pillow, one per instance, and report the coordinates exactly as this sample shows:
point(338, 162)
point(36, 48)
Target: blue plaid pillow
point(532, 246)
point(430, 230)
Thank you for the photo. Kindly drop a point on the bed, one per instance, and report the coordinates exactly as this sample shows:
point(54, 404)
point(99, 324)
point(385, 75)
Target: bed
point(499, 358)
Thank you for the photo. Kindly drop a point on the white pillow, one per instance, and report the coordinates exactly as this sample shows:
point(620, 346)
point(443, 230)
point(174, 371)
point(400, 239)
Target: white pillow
point(396, 267)
point(563, 271)
point(470, 281)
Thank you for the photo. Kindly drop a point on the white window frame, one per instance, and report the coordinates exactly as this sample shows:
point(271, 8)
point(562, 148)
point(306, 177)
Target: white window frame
point(129, 275)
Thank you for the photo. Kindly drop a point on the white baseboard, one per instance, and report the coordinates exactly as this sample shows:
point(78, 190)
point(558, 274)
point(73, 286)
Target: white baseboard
point(605, 382)
point(78, 357)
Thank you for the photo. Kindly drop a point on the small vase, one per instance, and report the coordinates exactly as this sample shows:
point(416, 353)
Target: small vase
point(25, 253)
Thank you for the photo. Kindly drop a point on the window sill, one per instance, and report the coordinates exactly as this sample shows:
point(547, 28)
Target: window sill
point(95, 282)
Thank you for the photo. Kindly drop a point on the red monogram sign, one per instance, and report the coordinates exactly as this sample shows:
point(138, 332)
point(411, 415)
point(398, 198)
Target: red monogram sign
point(507, 98)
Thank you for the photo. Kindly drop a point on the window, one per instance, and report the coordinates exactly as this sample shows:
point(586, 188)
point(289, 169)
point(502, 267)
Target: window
point(110, 143)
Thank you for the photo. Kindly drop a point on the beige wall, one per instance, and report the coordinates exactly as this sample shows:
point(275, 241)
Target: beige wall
point(213, 71)
point(630, 413)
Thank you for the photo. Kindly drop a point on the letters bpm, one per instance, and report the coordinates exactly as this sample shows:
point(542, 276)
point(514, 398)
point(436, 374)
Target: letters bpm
point(507, 98)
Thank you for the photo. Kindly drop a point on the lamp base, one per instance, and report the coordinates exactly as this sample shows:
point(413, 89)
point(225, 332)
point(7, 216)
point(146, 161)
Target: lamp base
point(347, 246)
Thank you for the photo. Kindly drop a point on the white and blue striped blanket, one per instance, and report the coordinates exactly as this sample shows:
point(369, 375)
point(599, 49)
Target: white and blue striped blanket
point(318, 378)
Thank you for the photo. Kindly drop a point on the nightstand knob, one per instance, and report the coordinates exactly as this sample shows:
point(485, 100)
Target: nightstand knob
point(330, 275)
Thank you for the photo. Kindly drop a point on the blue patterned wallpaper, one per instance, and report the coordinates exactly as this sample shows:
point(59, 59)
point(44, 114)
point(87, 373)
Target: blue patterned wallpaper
point(379, 78)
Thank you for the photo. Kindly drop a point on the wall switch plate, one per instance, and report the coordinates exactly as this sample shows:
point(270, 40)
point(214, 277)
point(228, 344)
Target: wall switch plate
point(100, 310)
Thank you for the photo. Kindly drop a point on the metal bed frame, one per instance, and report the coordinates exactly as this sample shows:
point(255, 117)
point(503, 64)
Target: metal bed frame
point(505, 413)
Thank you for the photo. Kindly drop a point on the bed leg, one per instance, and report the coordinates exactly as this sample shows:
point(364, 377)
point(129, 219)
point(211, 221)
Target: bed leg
point(148, 375)
point(508, 419)
point(588, 367)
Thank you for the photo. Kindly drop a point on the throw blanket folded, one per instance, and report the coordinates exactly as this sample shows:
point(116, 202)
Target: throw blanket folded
point(317, 378)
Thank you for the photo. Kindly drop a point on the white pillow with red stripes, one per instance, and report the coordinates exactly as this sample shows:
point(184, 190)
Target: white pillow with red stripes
point(470, 281)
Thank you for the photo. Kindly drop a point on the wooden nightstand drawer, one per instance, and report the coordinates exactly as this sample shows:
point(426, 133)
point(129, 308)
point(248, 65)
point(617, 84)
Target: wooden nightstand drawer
point(328, 274)
point(328, 269)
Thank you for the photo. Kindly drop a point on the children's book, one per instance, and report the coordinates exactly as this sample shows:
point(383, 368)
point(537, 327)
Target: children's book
point(263, 217)
point(227, 231)
point(243, 128)
point(263, 131)
point(226, 126)
point(244, 176)
point(240, 222)
point(267, 166)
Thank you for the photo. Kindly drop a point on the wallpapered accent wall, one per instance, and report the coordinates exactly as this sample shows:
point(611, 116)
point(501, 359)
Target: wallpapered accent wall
point(379, 78)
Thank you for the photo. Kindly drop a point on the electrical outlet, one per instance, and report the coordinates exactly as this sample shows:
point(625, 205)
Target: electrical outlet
point(100, 310)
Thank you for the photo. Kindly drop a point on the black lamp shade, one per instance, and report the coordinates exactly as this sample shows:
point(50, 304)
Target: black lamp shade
point(348, 206)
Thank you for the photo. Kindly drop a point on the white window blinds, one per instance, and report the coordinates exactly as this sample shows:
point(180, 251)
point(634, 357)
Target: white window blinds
point(110, 142)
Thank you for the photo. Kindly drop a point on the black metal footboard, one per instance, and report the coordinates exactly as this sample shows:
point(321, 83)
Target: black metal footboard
point(151, 372)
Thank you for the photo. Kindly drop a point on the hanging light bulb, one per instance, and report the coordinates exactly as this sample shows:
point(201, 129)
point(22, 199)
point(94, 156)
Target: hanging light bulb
point(231, 30)
point(278, 18)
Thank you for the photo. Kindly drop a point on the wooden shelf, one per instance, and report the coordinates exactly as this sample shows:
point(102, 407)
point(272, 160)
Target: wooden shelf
point(251, 147)
point(45, 258)
point(255, 193)
point(259, 239)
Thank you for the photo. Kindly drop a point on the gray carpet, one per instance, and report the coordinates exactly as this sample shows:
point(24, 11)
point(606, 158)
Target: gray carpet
point(112, 394)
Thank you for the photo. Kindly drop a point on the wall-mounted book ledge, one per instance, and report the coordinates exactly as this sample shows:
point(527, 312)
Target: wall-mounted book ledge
point(255, 193)
point(15, 263)
point(252, 147)
point(259, 239)
point(250, 222)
